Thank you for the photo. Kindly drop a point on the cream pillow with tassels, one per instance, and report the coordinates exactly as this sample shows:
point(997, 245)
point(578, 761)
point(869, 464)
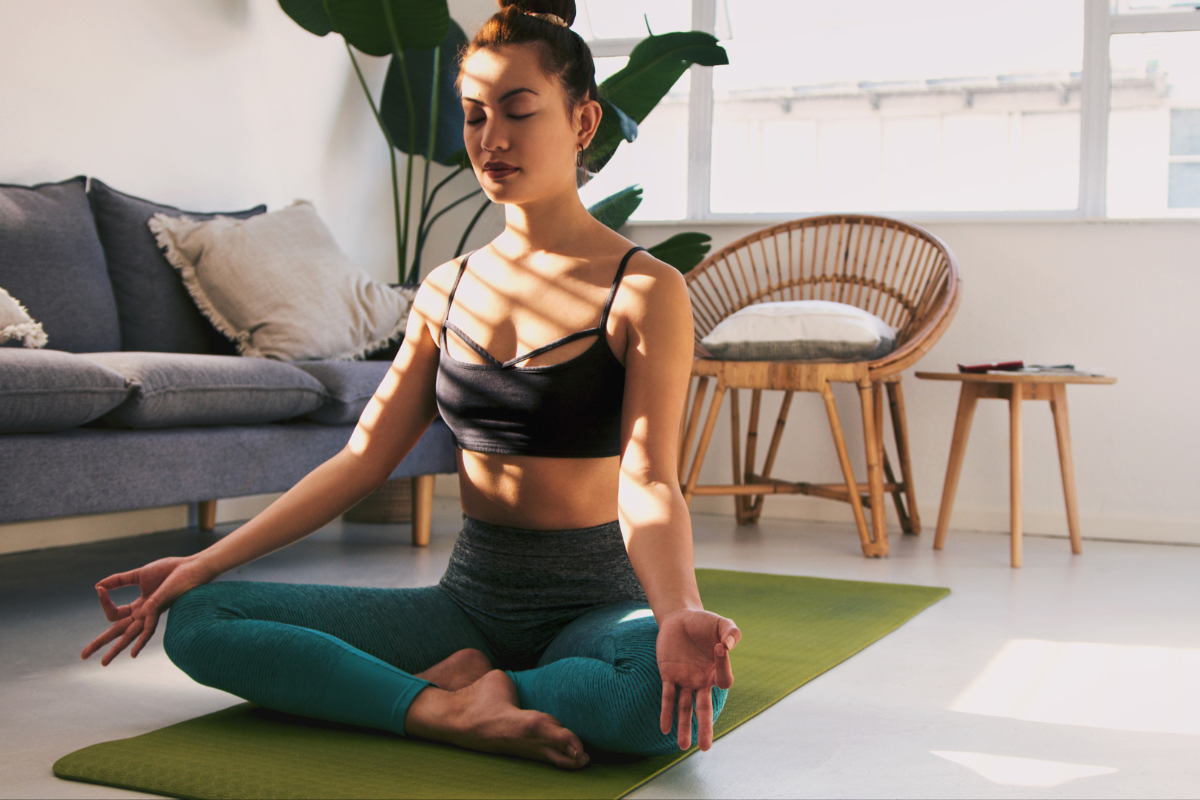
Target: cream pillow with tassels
point(278, 285)
point(15, 323)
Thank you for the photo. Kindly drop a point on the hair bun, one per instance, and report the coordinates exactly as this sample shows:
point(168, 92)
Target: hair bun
point(563, 9)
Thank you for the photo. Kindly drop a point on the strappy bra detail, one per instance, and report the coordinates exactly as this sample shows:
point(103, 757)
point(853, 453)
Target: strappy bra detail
point(571, 409)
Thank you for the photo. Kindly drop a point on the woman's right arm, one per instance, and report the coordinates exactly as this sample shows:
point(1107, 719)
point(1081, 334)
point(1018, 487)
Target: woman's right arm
point(395, 418)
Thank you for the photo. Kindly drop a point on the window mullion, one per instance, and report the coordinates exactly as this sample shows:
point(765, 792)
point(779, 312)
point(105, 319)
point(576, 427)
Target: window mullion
point(1093, 109)
point(700, 111)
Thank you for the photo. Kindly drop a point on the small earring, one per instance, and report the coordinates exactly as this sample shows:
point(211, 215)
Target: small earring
point(579, 157)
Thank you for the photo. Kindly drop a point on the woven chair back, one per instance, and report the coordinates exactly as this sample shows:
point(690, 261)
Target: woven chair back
point(897, 271)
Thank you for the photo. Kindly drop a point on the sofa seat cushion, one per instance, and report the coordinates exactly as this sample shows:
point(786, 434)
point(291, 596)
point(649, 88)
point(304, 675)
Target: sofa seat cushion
point(172, 389)
point(349, 384)
point(51, 258)
point(154, 309)
point(48, 390)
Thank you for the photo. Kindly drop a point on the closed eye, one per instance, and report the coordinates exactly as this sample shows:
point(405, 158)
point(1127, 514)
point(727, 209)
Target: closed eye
point(478, 120)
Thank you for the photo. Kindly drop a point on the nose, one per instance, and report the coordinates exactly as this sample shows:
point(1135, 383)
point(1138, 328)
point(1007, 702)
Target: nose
point(494, 135)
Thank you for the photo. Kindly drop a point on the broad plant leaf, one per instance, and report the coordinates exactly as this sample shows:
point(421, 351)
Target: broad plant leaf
point(449, 148)
point(655, 64)
point(615, 209)
point(683, 251)
point(420, 24)
point(308, 14)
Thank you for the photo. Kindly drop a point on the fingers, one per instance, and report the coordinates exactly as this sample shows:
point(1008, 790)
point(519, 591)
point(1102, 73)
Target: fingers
point(111, 611)
point(120, 579)
point(104, 638)
point(135, 627)
point(704, 716)
point(729, 633)
point(723, 668)
point(668, 707)
point(684, 719)
point(148, 631)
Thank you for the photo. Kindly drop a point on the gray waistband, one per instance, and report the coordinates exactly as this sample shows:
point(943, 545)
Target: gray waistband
point(521, 586)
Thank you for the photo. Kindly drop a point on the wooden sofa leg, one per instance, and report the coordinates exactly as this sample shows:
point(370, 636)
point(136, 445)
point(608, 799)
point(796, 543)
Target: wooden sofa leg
point(422, 509)
point(207, 514)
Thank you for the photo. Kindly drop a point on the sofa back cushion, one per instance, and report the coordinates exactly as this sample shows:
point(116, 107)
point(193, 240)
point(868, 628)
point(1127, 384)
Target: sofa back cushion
point(48, 390)
point(51, 258)
point(153, 307)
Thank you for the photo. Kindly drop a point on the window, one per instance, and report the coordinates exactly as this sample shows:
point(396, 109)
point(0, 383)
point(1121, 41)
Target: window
point(926, 107)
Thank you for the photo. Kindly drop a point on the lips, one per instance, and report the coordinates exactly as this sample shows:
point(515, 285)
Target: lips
point(498, 169)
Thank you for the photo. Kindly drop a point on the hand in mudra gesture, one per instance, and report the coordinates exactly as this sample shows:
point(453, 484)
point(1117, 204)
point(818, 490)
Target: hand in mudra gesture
point(161, 582)
point(693, 656)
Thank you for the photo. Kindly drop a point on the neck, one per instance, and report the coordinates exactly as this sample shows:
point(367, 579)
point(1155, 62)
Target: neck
point(556, 224)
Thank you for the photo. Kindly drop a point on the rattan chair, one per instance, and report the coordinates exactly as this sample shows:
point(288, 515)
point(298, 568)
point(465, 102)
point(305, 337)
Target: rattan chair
point(895, 270)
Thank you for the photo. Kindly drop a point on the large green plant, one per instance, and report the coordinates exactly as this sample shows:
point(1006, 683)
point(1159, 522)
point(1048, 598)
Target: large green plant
point(420, 114)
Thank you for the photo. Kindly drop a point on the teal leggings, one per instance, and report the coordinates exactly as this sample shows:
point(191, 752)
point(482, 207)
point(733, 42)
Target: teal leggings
point(348, 654)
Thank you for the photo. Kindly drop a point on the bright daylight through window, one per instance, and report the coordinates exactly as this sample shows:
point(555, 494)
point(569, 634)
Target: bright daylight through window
point(919, 107)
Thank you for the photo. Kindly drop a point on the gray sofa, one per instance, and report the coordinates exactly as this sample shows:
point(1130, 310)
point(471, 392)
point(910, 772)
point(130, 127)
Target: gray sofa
point(137, 401)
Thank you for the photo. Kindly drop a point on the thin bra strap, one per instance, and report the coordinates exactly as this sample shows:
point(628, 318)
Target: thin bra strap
point(613, 291)
point(450, 299)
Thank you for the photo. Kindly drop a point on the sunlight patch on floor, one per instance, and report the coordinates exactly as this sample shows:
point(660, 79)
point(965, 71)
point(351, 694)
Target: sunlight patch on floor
point(1011, 771)
point(1121, 687)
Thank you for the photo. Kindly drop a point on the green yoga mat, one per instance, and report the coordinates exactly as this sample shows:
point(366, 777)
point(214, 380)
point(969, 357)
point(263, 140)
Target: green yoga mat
point(793, 629)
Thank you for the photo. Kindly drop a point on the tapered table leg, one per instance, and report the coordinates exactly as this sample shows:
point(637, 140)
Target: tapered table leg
point(1014, 457)
point(967, 400)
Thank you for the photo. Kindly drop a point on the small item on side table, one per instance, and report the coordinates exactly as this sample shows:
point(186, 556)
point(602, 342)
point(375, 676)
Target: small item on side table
point(997, 366)
point(1013, 386)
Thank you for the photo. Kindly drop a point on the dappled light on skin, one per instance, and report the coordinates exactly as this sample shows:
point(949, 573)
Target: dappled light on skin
point(1119, 687)
point(1010, 771)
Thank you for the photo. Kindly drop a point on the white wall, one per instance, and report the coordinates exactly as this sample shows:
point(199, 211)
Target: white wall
point(221, 104)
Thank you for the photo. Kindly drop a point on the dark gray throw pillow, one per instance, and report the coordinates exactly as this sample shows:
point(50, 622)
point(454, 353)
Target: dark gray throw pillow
point(170, 389)
point(48, 390)
point(51, 258)
point(155, 311)
point(349, 384)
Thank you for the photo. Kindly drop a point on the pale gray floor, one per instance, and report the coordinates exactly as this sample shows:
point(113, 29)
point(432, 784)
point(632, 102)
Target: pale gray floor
point(1092, 689)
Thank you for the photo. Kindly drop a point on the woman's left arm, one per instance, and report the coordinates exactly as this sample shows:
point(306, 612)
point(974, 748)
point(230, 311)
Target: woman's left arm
point(693, 644)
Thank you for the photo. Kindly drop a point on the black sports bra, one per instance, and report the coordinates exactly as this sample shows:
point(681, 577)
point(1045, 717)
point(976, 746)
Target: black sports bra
point(567, 410)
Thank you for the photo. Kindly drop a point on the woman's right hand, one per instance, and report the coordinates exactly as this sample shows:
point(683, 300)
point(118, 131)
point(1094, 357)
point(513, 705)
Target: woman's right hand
point(161, 582)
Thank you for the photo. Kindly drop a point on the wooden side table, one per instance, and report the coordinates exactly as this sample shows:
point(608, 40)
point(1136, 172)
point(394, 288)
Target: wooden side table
point(1013, 387)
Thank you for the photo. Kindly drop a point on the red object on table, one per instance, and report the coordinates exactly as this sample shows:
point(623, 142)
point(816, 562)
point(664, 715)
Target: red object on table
point(999, 365)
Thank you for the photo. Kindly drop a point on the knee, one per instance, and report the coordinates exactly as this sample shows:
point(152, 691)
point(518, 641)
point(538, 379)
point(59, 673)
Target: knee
point(190, 613)
point(641, 709)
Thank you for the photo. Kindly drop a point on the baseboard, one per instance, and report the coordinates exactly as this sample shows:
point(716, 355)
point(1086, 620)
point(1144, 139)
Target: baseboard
point(17, 537)
point(1153, 530)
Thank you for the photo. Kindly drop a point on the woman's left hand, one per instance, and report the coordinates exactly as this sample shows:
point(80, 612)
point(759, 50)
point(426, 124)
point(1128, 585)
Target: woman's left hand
point(693, 656)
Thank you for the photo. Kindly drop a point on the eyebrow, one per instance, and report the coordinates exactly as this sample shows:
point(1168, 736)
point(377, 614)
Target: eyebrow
point(503, 97)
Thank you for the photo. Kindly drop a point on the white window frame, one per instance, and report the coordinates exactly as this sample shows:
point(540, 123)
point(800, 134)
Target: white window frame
point(1101, 20)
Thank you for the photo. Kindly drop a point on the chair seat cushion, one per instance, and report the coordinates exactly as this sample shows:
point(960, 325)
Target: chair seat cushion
point(279, 286)
point(154, 310)
point(801, 330)
point(170, 389)
point(48, 390)
point(349, 385)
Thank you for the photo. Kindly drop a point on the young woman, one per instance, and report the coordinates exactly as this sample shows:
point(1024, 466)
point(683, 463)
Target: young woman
point(569, 615)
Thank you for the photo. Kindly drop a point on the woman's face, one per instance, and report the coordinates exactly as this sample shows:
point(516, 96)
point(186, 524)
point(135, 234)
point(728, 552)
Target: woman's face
point(520, 137)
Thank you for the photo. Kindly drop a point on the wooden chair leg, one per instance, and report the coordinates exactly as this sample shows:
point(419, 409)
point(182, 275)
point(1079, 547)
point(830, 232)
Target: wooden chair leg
point(685, 444)
point(871, 440)
point(967, 400)
point(1062, 431)
point(752, 504)
point(839, 441)
point(900, 429)
point(702, 447)
point(735, 431)
point(1014, 466)
point(206, 513)
point(422, 509)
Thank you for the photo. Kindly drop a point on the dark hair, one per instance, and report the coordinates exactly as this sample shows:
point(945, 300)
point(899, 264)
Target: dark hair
point(564, 54)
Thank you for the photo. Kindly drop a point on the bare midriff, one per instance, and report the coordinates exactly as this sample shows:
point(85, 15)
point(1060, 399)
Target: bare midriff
point(538, 493)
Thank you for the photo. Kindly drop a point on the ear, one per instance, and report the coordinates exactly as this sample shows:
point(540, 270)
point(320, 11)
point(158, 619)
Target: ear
point(587, 121)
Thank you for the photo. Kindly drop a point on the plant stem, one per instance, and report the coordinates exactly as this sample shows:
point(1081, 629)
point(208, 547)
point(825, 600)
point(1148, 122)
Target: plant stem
point(412, 128)
point(427, 201)
point(423, 233)
point(400, 248)
point(463, 241)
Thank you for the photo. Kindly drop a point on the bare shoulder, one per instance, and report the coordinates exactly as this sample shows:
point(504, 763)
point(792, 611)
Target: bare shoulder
point(430, 302)
point(650, 283)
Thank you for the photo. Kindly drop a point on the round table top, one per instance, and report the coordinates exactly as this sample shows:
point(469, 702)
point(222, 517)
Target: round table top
point(1015, 377)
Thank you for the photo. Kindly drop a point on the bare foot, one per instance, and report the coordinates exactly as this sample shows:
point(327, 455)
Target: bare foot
point(458, 671)
point(484, 716)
